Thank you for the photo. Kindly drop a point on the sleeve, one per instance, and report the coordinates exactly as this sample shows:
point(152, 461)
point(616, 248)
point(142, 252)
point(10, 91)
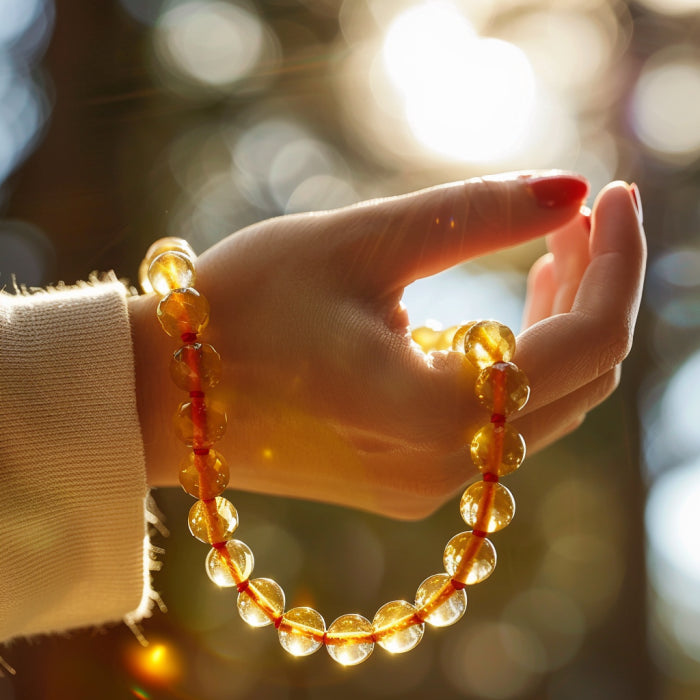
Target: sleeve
point(73, 540)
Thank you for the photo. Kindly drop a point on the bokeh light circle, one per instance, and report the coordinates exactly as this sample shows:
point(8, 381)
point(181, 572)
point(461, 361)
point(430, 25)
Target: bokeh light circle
point(666, 105)
point(209, 42)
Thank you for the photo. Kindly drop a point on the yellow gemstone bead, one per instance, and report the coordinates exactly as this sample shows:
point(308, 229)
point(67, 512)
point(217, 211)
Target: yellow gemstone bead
point(499, 449)
point(232, 566)
point(487, 506)
point(195, 367)
point(487, 342)
point(341, 639)
point(458, 337)
point(171, 270)
point(161, 246)
point(213, 521)
point(301, 631)
point(502, 388)
point(261, 603)
point(469, 559)
point(183, 311)
point(200, 422)
point(431, 592)
point(396, 627)
point(204, 476)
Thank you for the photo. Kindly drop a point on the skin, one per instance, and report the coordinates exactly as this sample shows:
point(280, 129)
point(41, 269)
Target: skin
point(328, 398)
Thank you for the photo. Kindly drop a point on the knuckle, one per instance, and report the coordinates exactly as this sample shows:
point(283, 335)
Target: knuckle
point(616, 350)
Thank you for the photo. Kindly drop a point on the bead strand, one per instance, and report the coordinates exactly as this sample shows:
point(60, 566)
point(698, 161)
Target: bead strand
point(487, 506)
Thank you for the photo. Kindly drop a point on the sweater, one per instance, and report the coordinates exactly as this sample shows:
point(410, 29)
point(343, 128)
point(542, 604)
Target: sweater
point(73, 542)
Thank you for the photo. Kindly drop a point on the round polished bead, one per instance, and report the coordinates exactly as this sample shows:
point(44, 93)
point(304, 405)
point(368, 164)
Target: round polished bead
point(458, 337)
point(439, 587)
point(161, 246)
point(499, 449)
point(261, 603)
point(213, 521)
point(171, 270)
point(487, 506)
point(204, 475)
point(301, 631)
point(183, 311)
point(469, 559)
point(232, 566)
point(502, 388)
point(195, 367)
point(487, 342)
point(200, 422)
point(342, 643)
point(396, 627)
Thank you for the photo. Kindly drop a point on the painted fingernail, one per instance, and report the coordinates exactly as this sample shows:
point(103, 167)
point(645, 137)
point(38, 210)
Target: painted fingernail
point(558, 190)
point(586, 217)
point(637, 199)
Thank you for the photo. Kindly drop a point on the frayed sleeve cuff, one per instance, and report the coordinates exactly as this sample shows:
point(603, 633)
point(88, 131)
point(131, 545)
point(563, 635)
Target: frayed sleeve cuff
point(73, 543)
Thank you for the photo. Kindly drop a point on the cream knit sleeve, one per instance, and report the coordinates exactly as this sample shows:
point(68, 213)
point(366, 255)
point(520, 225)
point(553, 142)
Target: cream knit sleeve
point(73, 546)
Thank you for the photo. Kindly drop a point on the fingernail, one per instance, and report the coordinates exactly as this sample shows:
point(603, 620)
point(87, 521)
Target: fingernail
point(586, 216)
point(558, 190)
point(637, 200)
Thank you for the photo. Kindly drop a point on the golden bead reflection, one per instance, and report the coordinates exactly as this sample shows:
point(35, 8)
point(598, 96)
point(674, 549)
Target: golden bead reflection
point(396, 627)
point(200, 422)
point(502, 388)
point(469, 559)
point(487, 342)
point(195, 367)
point(301, 631)
point(432, 591)
point(458, 337)
point(183, 311)
point(487, 506)
point(213, 521)
point(232, 566)
point(261, 603)
point(204, 476)
point(171, 270)
point(162, 245)
point(499, 449)
point(340, 643)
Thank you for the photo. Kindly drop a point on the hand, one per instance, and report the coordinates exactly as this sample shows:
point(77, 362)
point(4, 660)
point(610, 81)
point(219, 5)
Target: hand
point(328, 398)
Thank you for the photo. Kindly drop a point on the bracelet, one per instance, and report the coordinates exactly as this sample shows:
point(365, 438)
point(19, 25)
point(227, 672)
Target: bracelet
point(486, 506)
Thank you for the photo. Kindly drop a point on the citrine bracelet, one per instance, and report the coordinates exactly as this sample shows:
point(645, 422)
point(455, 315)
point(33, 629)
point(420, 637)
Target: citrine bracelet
point(486, 506)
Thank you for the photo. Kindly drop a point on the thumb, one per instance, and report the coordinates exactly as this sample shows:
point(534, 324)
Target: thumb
point(392, 242)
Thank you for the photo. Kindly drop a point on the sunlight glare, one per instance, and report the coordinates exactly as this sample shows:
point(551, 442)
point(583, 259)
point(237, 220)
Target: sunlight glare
point(465, 97)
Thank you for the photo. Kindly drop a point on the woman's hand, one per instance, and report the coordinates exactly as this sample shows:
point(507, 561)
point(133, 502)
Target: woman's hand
point(327, 396)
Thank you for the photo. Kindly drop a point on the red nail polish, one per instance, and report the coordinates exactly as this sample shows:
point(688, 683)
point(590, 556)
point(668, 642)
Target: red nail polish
point(560, 190)
point(637, 200)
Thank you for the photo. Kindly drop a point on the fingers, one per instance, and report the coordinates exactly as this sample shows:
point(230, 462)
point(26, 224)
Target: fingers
point(392, 242)
point(570, 248)
point(554, 279)
point(566, 351)
point(548, 424)
point(541, 290)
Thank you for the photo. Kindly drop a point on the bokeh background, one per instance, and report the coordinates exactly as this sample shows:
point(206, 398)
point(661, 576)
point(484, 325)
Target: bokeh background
point(125, 120)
